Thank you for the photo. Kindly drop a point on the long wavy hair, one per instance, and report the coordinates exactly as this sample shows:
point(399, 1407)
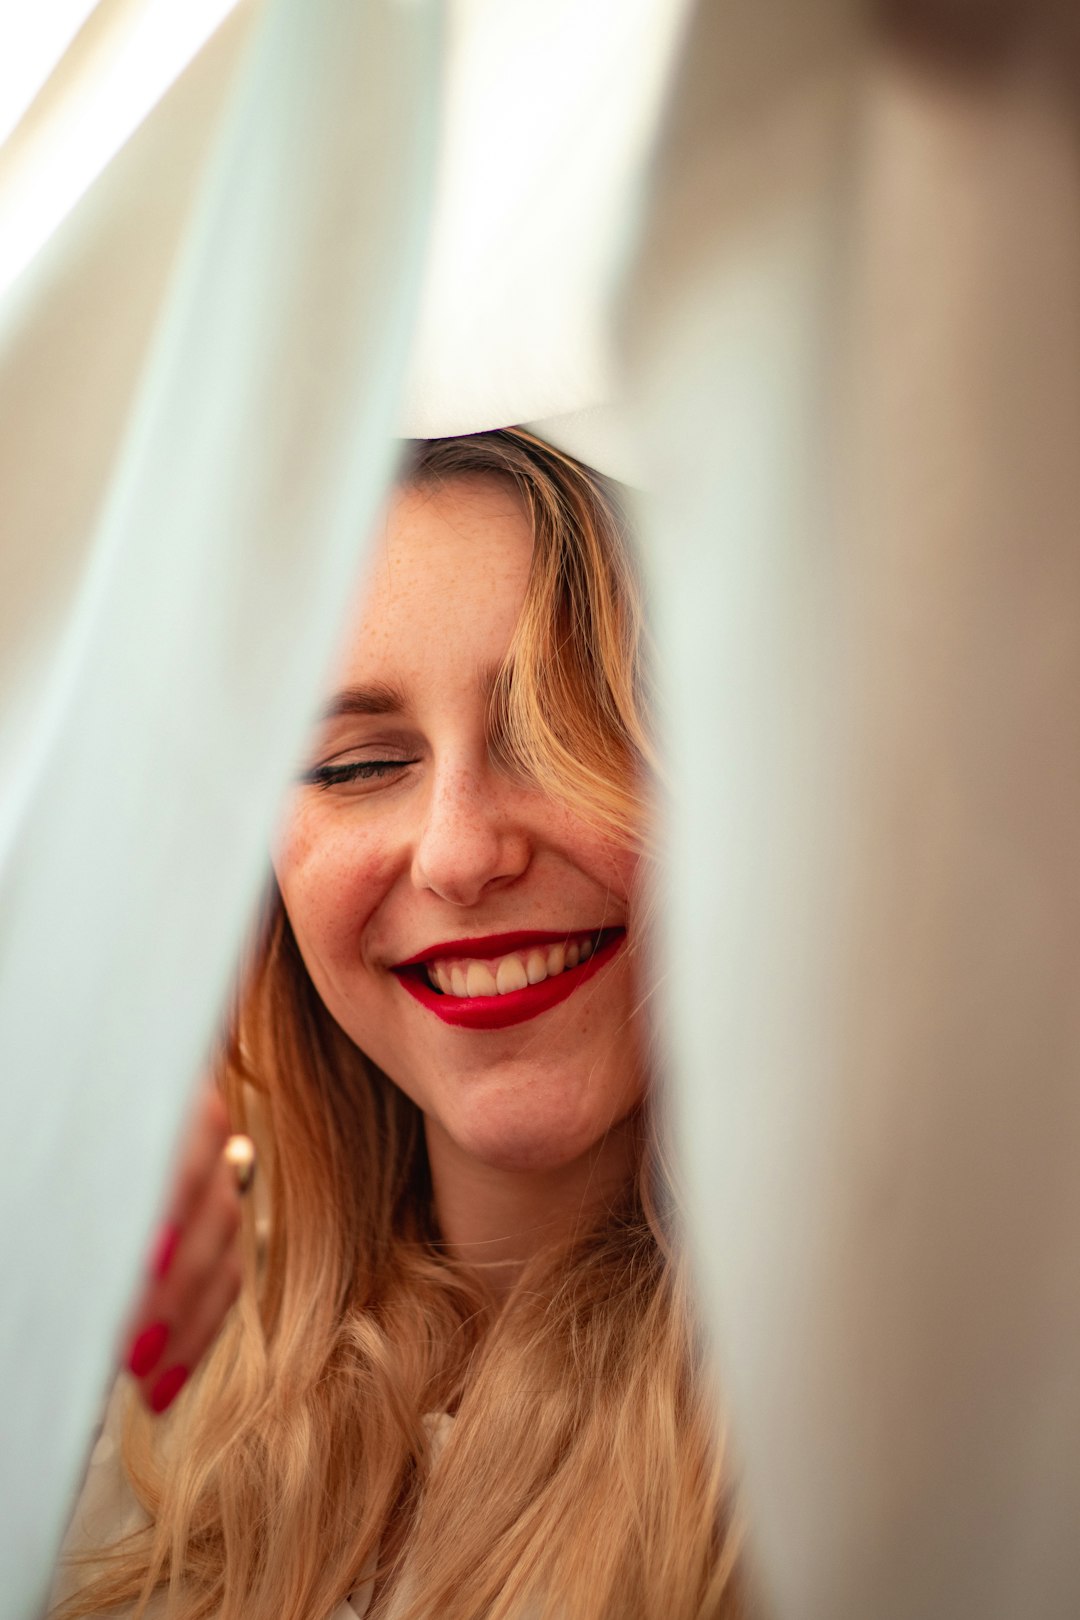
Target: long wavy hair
point(584, 1476)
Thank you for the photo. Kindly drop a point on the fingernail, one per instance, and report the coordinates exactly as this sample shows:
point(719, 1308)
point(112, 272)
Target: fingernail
point(147, 1349)
point(166, 1248)
point(167, 1388)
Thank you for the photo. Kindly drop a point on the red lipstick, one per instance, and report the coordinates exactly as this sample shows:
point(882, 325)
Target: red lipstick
point(517, 1006)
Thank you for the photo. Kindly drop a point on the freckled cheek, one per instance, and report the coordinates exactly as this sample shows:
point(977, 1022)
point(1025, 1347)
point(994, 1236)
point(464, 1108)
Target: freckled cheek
point(331, 881)
point(607, 860)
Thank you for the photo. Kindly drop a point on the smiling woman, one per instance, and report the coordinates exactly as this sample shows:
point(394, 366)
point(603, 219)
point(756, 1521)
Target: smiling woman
point(464, 1377)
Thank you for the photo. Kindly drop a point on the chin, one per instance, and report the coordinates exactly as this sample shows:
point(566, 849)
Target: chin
point(521, 1154)
point(530, 1143)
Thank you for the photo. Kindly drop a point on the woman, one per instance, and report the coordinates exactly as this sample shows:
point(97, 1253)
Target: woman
point(463, 1377)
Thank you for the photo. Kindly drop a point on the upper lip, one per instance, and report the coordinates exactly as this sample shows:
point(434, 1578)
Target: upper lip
point(488, 945)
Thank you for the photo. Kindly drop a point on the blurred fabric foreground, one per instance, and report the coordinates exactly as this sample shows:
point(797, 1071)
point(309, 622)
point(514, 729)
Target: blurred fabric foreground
point(808, 273)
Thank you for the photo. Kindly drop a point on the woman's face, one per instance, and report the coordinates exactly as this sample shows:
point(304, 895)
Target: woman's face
point(421, 881)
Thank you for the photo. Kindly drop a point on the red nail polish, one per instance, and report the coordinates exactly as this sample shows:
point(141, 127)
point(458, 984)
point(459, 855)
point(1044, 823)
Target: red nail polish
point(167, 1388)
point(147, 1350)
point(166, 1248)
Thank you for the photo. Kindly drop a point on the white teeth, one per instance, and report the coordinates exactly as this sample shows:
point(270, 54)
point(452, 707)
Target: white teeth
point(479, 980)
point(505, 974)
point(510, 975)
point(536, 967)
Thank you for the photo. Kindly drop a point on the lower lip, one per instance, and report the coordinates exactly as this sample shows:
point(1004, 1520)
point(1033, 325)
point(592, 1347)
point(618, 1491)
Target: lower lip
point(517, 1006)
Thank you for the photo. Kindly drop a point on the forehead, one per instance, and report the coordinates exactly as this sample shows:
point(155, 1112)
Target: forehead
point(446, 581)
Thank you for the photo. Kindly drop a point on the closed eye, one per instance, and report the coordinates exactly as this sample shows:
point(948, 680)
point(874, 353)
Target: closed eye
point(359, 770)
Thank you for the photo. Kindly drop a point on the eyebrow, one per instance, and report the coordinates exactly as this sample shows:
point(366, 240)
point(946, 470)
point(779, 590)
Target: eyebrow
point(380, 697)
point(377, 698)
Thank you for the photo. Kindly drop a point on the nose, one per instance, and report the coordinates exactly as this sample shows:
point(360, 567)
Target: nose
point(473, 836)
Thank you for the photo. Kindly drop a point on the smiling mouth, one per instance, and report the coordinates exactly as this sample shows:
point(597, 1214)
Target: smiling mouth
point(506, 979)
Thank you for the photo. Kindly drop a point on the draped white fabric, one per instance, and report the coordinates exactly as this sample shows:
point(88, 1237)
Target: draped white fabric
point(225, 412)
point(857, 333)
point(850, 326)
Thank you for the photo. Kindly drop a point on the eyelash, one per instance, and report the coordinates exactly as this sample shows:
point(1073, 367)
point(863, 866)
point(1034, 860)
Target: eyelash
point(361, 770)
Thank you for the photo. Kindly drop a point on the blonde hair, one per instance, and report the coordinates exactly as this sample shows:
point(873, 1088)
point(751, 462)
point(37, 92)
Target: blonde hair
point(584, 1474)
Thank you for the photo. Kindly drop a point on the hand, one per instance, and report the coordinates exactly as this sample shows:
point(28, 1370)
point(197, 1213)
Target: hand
point(195, 1270)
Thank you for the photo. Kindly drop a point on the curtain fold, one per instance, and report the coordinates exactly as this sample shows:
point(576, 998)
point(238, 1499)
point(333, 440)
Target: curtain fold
point(171, 618)
point(855, 328)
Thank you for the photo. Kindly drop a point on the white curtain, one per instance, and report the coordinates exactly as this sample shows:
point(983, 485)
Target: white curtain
point(201, 375)
point(856, 331)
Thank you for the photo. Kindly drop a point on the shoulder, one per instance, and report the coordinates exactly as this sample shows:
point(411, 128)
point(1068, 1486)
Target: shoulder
point(106, 1508)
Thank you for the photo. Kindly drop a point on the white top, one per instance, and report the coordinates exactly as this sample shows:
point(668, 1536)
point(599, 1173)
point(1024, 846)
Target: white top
point(107, 1508)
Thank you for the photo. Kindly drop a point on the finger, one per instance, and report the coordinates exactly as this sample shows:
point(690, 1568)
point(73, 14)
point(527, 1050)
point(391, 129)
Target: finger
point(211, 1230)
point(195, 1337)
point(206, 1137)
point(167, 1305)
